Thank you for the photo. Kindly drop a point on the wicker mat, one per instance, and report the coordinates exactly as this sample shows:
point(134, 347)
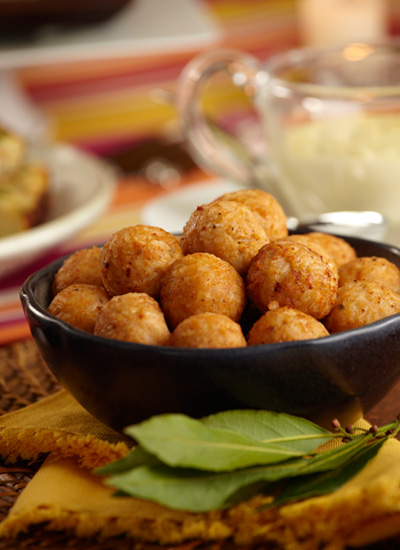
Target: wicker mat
point(24, 379)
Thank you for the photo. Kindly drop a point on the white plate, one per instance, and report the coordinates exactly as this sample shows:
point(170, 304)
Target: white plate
point(81, 188)
point(171, 211)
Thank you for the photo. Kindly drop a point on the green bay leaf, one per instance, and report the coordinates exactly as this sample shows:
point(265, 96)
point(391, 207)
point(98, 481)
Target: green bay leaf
point(136, 457)
point(207, 464)
point(179, 440)
point(195, 490)
point(289, 431)
point(329, 480)
point(337, 457)
point(200, 491)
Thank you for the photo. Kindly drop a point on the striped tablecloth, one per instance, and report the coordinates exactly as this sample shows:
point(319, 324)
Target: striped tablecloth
point(103, 104)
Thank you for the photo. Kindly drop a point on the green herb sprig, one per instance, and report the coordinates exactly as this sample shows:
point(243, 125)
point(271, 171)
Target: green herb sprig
point(222, 459)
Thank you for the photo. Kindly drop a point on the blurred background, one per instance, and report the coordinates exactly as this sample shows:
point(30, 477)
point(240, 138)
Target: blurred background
point(98, 74)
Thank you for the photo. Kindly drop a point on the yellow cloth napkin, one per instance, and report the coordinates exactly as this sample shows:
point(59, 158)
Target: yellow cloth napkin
point(66, 495)
point(59, 424)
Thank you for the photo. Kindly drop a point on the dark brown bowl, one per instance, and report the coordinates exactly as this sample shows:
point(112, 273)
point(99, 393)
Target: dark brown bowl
point(341, 376)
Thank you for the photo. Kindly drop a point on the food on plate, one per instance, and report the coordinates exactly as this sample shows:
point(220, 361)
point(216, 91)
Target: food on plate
point(135, 259)
point(371, 268)
point(227, 229)
point(338, 248)
point(266, 208)
point(83, 266)
point(294, 275)
point(201, 282)
point(133, 317)
point(207, 330)
point(23, 199)
point(23, 187)
point(79, 305)
point(285, 324)
point(12, 152)
point(361, 303)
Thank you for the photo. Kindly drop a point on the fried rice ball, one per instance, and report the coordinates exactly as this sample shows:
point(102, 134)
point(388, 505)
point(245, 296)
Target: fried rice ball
point(198, 283)
point(135, 259)
point(285, 324)
point(133, 317)
point(83, 266)
point(79, 305)
point(294, 275)
point(266, 208)
point(317, 247)
point(360, 303)
point(339, 249)
point(227, 229)
point(207, 330)
point(371, 268)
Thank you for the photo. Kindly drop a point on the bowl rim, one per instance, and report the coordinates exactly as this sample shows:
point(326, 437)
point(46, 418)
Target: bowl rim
point(32, 305)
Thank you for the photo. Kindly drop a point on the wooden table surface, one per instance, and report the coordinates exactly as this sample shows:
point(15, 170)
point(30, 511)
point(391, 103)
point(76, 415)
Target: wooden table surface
point(388, 409)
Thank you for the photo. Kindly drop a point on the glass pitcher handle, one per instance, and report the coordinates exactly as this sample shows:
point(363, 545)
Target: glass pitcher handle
point(211, 147)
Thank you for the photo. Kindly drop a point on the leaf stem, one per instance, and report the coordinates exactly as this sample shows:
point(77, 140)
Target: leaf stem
point(300, 438)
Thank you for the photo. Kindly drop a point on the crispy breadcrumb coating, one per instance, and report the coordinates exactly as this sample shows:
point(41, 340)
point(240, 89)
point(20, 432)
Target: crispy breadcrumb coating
point(361, 303)
point(133, 317)
point(265, 206)
point(83, 266)
point(285, 324)
point(338, 248)
point(135, 259)
point(227, 229)
point(293, 275)
point(198, 283)
point(371, 268)
point(79, 305)
point(207, 330)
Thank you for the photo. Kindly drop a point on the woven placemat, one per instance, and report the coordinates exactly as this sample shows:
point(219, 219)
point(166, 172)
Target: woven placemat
point(25, 379)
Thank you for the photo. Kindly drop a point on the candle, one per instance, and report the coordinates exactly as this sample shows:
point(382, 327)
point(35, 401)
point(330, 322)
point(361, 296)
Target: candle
point(330, 22)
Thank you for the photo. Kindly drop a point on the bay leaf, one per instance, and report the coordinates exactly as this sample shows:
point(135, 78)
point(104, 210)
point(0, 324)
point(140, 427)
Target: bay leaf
point(200, 491)
point(179, 440)
point(207, 464)
point(287, 430)
point(336, 457)
point(327, 481)
point(185, 488)
point(136, 457)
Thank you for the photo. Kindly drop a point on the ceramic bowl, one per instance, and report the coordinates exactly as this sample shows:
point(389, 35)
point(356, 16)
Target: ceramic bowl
point(341, 376)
